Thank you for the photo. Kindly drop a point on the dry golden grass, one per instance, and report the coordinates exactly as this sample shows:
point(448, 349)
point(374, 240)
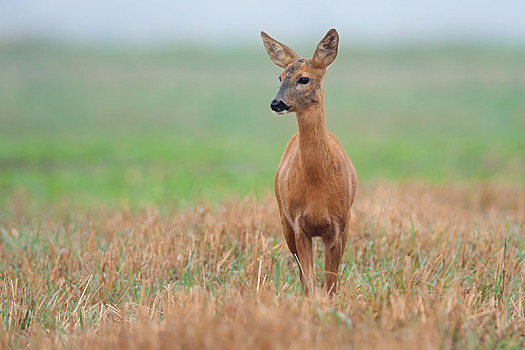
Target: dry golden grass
point(426, 267)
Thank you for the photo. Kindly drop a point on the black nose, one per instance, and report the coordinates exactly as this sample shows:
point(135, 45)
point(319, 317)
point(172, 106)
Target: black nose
point(278, 106)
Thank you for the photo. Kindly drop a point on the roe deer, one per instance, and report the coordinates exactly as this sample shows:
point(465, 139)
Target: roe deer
point(315, 182)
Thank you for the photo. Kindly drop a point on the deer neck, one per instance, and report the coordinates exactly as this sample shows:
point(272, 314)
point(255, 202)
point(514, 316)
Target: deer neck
point(314, 151)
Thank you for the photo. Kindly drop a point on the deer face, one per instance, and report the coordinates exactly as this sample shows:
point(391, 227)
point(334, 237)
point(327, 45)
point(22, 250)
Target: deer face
point(300, 87)
point(301, 80)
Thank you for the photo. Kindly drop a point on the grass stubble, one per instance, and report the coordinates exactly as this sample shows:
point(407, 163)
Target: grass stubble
point(426, 267)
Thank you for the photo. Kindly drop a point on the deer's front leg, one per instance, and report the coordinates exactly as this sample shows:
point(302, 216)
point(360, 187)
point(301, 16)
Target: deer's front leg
point(333, 253)
point(303, 244)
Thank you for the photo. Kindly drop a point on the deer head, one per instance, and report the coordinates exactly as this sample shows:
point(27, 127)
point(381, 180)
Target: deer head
point(302, 78)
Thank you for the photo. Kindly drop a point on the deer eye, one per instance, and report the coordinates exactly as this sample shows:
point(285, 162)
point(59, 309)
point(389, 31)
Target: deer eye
point(279, 77)
point(303, 80)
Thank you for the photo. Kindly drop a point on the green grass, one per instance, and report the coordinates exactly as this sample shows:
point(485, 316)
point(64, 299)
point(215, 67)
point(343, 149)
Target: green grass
point(132, 125)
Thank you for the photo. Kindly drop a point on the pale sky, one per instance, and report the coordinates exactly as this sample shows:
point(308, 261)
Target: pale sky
point(236, 21)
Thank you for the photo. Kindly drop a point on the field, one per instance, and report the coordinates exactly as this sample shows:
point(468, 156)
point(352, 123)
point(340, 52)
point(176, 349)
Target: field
point(426, 267)
point(162, 125)
point(136, 210)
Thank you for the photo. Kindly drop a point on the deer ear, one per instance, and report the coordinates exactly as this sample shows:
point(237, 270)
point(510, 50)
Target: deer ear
point(280, 54)
point(326, 49)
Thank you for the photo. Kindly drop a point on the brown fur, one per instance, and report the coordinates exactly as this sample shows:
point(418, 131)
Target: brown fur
point(315, 182)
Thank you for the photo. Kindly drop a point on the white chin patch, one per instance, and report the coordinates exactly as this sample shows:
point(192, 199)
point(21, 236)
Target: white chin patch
point(281, 112)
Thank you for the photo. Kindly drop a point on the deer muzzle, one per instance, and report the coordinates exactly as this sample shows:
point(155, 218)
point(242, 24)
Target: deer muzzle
point(279, 107)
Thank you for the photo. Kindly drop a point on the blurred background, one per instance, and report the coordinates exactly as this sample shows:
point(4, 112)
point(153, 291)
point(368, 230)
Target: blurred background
point(160, 101)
